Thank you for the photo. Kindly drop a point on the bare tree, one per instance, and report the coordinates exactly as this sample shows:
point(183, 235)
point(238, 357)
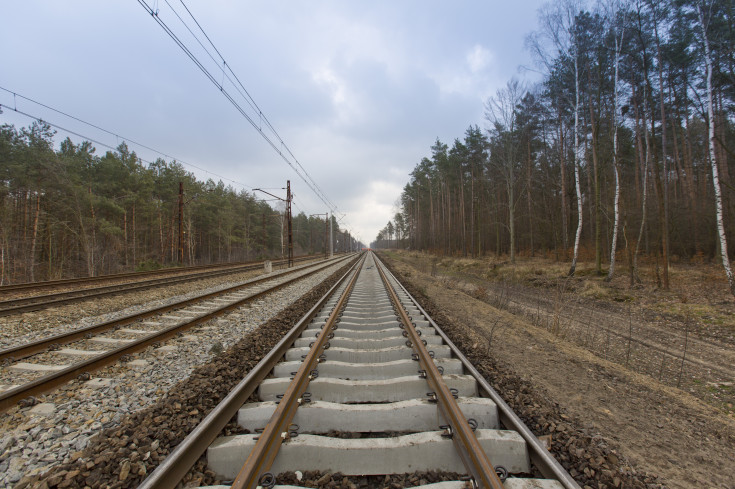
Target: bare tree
point(613, 12)
point(557, 20)
point(713, 155)
point(501, 112)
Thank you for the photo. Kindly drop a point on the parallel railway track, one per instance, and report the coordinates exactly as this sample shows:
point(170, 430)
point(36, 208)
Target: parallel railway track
point(44, 301)
point(366, 384)
point(187, 314)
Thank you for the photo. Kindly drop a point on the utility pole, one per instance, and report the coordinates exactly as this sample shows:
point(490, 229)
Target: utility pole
point(180, 254)
point(287, 200)
point(331, 238)
point(288, 216)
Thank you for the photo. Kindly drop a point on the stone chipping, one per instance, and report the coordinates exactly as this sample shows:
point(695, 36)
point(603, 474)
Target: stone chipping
point(58, 432)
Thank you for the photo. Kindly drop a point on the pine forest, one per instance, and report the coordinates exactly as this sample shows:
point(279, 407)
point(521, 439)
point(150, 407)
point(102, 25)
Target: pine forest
point(622, 153)
point(68, 213)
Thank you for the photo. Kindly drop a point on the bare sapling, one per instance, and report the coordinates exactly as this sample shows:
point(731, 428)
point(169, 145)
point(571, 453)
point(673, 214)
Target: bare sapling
point(630, 335)
point(496, 328)
point(559, 303)
point(661, 369)
point(684, 353)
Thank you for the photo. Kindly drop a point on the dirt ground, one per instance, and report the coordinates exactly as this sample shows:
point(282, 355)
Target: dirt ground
point(544, 333)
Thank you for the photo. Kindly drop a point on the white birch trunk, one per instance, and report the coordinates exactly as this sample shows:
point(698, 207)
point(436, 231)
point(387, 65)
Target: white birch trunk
point(715, 171)
point(616, 224)
point(576, 166)
point(645, 184)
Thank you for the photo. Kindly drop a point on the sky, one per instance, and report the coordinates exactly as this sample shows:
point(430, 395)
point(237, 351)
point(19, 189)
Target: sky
point(357, 91)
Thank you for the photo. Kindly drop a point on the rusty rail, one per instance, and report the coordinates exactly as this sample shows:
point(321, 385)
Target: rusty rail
point(264, 452)
point(43, 384)
point(168, 474)
point(540, 455)
point(48, 284)
point(469, 449)
point(38, 302)
point(22, 351)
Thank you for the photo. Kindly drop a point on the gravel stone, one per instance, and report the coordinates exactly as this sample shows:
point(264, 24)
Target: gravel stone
point(107, 424)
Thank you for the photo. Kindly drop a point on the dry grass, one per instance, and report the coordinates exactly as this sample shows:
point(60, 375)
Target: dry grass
point(699, 288)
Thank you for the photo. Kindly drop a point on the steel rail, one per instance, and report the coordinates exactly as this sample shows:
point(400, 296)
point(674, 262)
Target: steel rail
point(38, 302)
point(47, 382)
point(540, 455)
point(266, 448)
point(22, 351)
point(174, 467)
point(47, 284)
point(473, 456)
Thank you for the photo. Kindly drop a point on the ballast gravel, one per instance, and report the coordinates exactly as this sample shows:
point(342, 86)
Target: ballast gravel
point(112, 430)
point(22, 328)
point(583, 452)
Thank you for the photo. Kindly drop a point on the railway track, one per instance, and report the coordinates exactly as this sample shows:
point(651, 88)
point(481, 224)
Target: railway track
point(102, 344)
point(38, 302)
point(366, 384)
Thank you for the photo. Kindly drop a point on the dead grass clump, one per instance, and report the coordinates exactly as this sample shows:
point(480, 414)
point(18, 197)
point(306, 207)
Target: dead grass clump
point(594, 289)
point(480, 293)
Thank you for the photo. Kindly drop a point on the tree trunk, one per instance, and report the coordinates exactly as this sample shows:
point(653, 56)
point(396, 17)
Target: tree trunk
point(713, 158)
point(580, 210)
point(616, 103)
point(134, 242)
point(34, 235)
point(91, 265)
point(564, 206)
point(528, 193)
point(596, 190)
point(645, 186)
point(511, 217)
point(664, 188)
point(125, 236)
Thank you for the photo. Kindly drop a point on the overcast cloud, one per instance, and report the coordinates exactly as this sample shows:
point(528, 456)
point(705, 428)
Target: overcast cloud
point(358, 90)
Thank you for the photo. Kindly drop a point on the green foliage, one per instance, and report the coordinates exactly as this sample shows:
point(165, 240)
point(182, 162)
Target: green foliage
point(69, 212)
point(510, 187)
point(148, 265)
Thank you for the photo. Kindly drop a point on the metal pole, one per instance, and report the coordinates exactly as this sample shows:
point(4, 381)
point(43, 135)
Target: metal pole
point(288, 215)
point(264, 237)
point(326, 235)
point(331, 238)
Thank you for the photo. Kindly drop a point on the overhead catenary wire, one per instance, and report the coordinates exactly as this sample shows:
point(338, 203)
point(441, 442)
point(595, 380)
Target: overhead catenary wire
point(95, 141)
point(286, 154)
point(107, 131)
point(250, 99)
point(108, 146)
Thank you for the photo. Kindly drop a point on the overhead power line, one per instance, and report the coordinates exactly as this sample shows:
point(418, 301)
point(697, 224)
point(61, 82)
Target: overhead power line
point(246, 101)
point(105, 145)
point(107, 131)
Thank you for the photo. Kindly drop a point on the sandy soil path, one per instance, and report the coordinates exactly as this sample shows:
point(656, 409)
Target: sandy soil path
point(662, 430)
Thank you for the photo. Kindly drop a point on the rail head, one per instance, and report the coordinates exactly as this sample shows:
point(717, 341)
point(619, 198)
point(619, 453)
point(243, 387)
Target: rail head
point(174, 467)
point(540, 455)
point(261, 457)
point(10, 397)
point(473, 456)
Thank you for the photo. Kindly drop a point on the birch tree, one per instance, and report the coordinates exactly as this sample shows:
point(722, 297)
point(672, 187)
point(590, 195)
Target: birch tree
point(704, 21)
point(617, 24)
point(557, 40)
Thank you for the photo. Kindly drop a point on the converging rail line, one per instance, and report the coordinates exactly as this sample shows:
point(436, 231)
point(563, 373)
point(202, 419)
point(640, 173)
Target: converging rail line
point(187, 314)
point(38, 302)
point(366, 383)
